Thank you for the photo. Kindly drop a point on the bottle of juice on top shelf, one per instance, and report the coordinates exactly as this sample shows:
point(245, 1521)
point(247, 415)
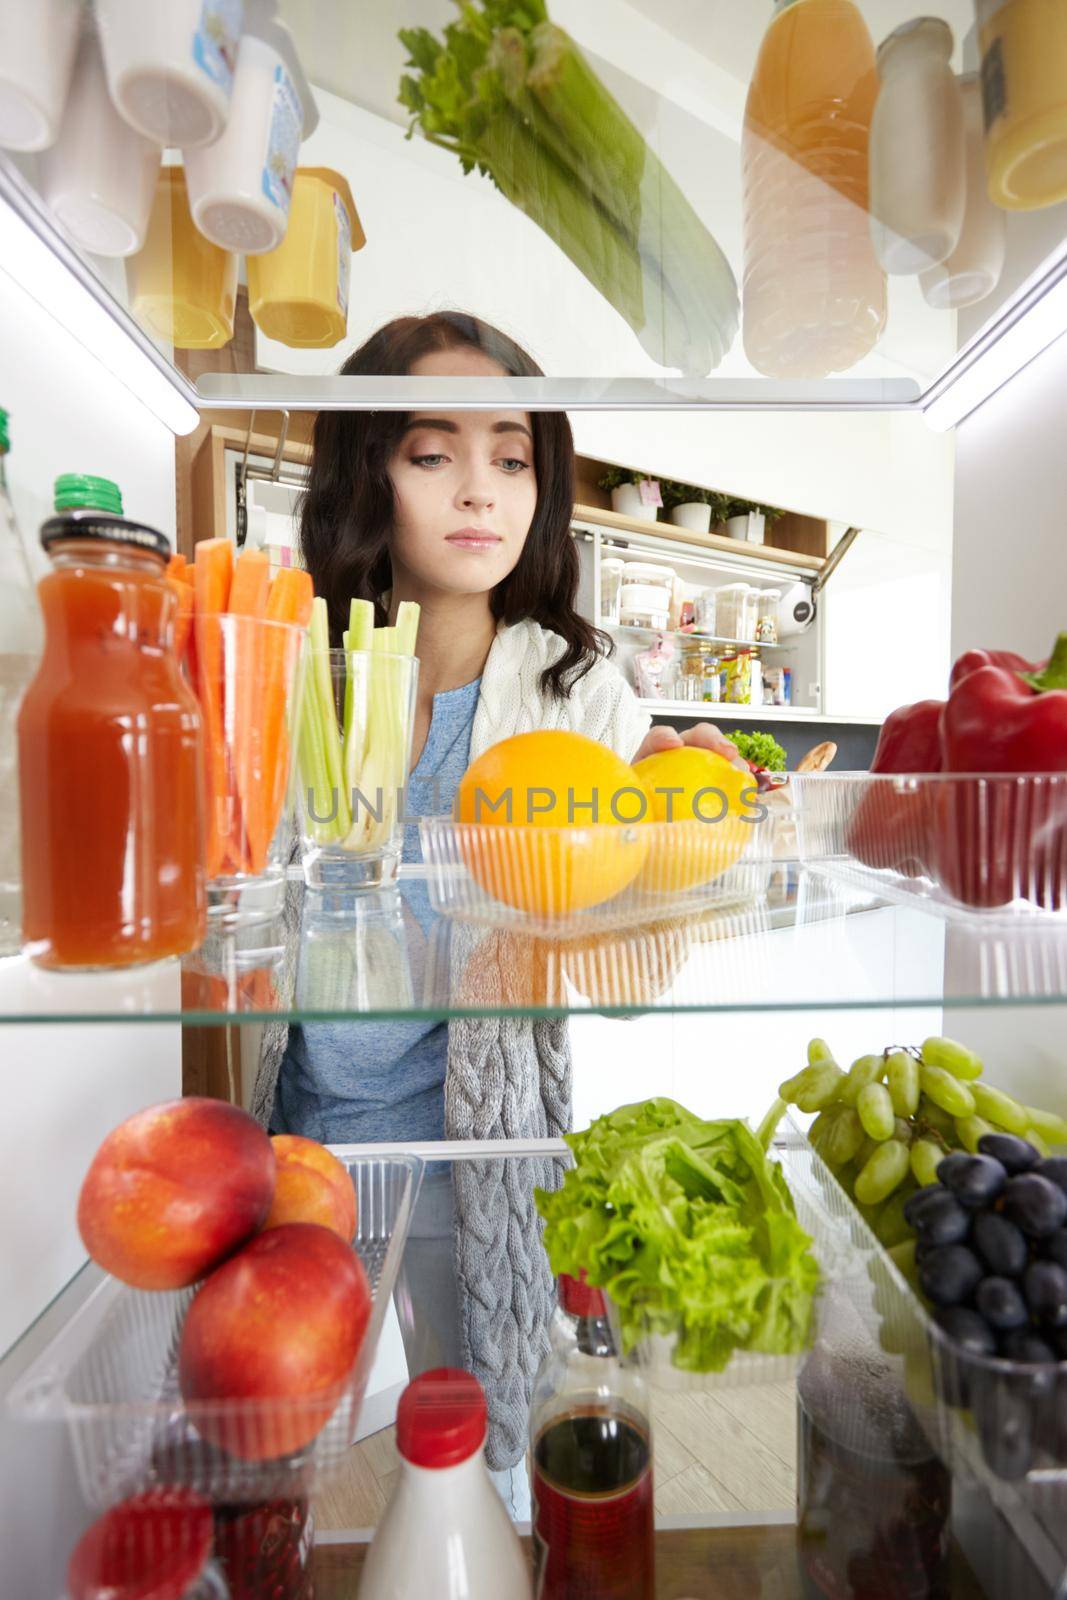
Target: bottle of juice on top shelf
point(814, 294)
point(1023, 46)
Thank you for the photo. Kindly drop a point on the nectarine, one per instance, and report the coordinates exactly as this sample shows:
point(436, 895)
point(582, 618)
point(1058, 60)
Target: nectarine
point(281, 1323)
point(312, 1186)
point(175, 1189)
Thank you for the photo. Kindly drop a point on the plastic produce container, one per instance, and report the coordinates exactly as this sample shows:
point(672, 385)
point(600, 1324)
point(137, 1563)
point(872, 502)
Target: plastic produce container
point(111, 1374)
point(170, 67)
point(991, 843)
point(298, 293)
point(560, 881)
point(38, 44)
point(645, 595)
point(182, 288)
point(99, 176)
point(240, 188)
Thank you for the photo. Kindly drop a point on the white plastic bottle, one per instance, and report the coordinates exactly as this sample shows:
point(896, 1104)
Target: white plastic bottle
point(973, 269)
point(445, 1534)
point(918, 183)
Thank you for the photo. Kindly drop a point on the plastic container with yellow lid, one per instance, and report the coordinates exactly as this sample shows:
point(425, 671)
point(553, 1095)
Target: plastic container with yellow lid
point(298, 293)
point(1023, 46)
point(182, 288)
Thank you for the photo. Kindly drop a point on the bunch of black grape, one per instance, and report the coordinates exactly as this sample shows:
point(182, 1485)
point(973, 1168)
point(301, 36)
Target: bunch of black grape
point(886, 1124)
point(991, 1257)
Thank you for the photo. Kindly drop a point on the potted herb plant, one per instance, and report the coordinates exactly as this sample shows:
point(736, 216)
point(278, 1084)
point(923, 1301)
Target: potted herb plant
point(623, 485)
point(689, 507)
point(746, 520)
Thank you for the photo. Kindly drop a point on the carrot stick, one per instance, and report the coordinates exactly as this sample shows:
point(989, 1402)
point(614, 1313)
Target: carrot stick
point(291, 595)
point(248, 602)
point(213, 572)
point(183, 622)
point(178, 568)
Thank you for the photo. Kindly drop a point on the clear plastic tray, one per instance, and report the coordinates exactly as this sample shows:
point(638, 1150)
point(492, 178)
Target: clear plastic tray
point(548, 881)
point(994, 844)
point(111, 1375)
point(970, 1408)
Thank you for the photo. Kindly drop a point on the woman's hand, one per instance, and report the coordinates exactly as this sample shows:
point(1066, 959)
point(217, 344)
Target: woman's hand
point(704, 735)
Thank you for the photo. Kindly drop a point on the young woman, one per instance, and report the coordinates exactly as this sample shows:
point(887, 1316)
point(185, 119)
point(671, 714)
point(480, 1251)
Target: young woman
point(469, 514)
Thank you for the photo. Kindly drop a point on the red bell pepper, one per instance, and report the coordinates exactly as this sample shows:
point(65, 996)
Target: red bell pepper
point(997, 840)
point(971, 660)
point(888, 828)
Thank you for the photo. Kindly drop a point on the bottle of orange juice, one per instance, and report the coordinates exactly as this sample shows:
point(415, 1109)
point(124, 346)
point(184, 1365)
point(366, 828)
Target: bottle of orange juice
point(1024, 100)
point(814, 293)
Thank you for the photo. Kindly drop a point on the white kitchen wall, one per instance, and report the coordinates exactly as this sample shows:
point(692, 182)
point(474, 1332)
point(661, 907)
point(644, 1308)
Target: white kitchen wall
point(66, 1085)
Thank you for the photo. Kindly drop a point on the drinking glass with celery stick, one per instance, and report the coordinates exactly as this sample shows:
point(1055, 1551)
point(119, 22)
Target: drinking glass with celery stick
point(355, 748)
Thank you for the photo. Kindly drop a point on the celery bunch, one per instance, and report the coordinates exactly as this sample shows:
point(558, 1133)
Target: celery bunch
point(513, 96)
point(354, 769)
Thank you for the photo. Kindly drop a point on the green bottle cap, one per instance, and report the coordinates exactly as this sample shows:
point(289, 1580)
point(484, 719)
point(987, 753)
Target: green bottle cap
point(5, 442)
point(78, 491)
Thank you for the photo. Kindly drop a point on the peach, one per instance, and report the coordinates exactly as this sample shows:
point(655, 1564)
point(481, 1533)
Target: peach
point(175, 1189)
point(281, 1322)
point(312, 1186)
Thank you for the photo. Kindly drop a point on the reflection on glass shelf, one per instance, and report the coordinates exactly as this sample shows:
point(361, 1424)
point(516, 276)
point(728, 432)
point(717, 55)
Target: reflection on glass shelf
point(723, 204)
point(815, 942)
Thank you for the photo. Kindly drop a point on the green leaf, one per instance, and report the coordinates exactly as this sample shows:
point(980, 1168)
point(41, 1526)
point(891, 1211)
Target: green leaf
point(689, 1228)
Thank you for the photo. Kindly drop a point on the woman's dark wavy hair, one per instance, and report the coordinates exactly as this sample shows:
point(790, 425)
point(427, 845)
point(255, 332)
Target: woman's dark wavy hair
point(347, 511)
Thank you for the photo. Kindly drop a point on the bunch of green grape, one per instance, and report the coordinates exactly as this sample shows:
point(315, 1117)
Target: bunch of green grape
point(885, 1124)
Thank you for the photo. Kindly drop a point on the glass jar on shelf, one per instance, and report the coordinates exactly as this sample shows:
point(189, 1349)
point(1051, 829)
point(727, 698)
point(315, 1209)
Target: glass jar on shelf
point(689, 680)
point(767, 616)
point(704, 612)
point(710, 676)
point(611, 568)
point(731, 610)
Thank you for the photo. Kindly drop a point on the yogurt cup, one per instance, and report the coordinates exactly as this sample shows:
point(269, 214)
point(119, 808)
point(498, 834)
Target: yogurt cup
point(38, 44)
point(170, 65)
point(99, 177)
point(241, 188)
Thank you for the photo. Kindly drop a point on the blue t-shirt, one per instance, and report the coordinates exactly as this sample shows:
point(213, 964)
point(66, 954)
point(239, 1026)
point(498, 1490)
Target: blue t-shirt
point(360, 1082)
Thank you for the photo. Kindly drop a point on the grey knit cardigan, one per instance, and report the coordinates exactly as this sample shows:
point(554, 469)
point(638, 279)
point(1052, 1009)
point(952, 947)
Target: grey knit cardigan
point(506, 1077)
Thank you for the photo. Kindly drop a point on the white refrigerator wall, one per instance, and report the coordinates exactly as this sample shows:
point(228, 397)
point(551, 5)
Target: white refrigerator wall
point(67, 1085)
point(1010, 554)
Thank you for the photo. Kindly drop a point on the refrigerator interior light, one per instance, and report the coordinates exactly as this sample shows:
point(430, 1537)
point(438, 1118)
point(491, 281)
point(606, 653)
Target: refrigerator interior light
point(979, 374)
point(37, 269)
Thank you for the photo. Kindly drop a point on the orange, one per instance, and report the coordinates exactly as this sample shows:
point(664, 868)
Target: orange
point(558, 819)
point(707, 816)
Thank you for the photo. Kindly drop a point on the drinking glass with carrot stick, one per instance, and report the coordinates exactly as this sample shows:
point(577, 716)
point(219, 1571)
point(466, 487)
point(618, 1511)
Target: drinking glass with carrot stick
point(244, 653)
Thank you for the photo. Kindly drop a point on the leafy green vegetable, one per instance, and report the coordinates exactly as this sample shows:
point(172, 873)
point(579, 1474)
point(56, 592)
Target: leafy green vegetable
point(762, 749)
point(690, 1229)
point(512, 96)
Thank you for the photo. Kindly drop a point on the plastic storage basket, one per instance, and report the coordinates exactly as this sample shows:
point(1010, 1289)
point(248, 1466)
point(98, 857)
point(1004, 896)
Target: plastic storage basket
point(563, 881)
point(112, 1376)
point(994, 843)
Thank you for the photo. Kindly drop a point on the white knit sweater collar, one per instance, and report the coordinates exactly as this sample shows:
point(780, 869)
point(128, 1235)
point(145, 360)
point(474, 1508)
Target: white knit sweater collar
point(601, 704)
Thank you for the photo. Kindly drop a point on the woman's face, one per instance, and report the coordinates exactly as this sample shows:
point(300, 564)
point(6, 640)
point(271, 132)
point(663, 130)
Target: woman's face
point(465, 488)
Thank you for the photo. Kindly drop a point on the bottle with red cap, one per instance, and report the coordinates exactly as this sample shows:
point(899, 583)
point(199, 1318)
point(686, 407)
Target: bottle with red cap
point(445, 1534)
point(592, 1460)
point(157, 1546)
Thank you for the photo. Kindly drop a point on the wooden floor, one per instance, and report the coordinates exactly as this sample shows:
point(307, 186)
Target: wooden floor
point(714, 1451)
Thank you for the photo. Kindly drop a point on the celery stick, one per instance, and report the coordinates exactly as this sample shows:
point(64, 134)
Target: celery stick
point(327, 708)
point(407, 626)
point(361, 624)
point(315, 775)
